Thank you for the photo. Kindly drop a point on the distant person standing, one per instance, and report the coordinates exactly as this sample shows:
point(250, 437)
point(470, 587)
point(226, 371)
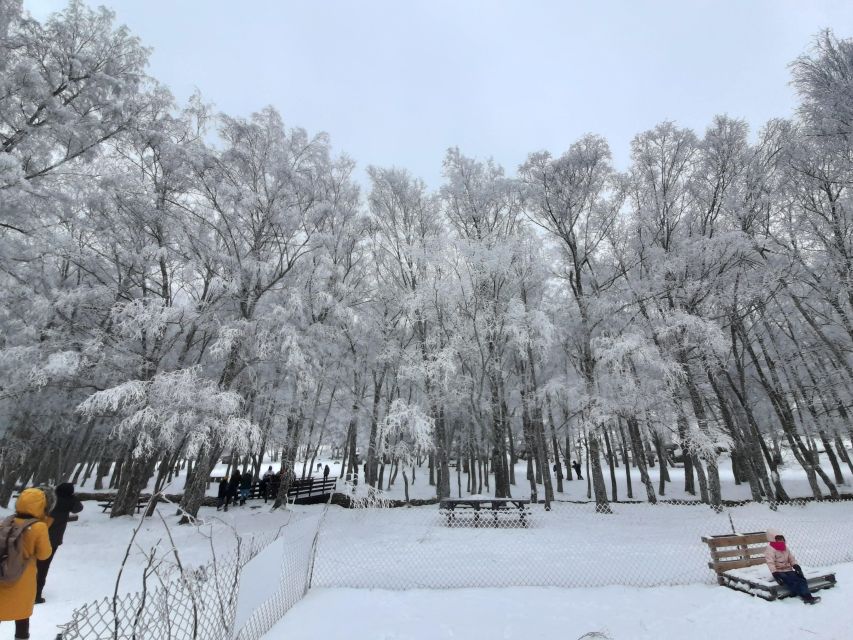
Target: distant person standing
point(265, 482)
point(23, 542)
point(577, 467)
point(326, 471)
point(222, 493)
point(233, 488)
point(66, 504)
point(245, 487)
point(275, 483)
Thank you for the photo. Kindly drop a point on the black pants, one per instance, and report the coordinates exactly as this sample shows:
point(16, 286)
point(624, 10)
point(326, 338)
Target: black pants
point(22, 628)
point(796, 584)
point(42, 567)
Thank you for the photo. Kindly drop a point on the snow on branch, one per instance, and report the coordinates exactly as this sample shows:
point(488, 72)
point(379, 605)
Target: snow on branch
point(171, 407)
point(405, 432)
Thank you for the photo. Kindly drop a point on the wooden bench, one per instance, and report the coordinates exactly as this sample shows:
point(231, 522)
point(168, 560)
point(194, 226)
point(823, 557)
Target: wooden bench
point(311, 490)
point(738, 560)
point(302, 491)
point(485, 506)
point(141, 503)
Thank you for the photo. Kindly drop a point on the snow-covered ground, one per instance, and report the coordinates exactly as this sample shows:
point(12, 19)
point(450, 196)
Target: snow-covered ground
point(570, 546)
point(411, 548)
point(698, 612)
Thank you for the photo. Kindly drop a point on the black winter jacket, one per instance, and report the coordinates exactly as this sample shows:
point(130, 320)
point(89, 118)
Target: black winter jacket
point(66, 504)
point(234, 483)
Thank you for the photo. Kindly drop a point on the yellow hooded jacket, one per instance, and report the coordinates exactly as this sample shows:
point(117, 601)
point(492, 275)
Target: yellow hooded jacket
point(17, 599)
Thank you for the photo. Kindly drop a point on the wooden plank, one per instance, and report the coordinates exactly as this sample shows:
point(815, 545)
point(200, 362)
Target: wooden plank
point(735, 540)
point(749, 552)
point(735, 564)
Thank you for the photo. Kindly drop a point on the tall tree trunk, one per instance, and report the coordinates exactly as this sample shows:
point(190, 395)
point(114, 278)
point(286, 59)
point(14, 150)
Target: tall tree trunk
point(499, 453)
point(625, 461)
point(686, 449)
point(640, 459)
point(443, 485)
point(601, 501)
point(134, 478)
point(714, 492)
point(372, 444)
point(558, 467)
point(609, 453)
point(196, 486)
point(703, 481)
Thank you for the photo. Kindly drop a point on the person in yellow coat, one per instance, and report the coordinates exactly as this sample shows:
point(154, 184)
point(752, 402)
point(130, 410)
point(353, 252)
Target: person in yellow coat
point(17, 599)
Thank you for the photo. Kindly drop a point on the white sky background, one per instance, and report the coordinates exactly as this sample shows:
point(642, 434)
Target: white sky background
point(397, 82)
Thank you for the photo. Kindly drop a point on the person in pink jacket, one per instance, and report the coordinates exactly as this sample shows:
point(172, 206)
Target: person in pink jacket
point(783, 565)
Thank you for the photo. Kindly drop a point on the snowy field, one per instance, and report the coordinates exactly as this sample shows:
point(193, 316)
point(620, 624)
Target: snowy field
point(697, 612)
point(570, 546)
point(410, 548)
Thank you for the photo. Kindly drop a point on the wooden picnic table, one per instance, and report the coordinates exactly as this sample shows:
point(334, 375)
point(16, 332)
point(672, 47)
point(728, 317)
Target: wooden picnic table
point(480, 503)
point(141, 503)
point(495, 506)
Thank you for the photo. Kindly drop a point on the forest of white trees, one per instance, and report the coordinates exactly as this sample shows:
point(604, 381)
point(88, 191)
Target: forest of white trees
point(178, 284)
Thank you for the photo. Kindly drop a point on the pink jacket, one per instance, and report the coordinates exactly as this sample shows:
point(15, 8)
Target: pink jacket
point(779, 560)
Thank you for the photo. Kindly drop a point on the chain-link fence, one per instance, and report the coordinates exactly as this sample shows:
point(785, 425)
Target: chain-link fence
point(271, 599)
point(572, 545)
point(176, 602)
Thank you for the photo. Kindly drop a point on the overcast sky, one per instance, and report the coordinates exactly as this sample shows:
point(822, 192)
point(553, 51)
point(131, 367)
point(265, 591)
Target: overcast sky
point(397, 82)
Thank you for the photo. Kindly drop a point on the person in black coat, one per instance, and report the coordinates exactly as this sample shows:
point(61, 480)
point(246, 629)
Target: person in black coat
point(66, 504)
point(265, 482)
point(274, 484)
point(577, 467)
point(233, 488)
point(245, 487)
point(326, 471)
point(222, 493)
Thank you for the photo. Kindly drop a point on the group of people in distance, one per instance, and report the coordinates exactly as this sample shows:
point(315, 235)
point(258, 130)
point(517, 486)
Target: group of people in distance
point(575, 465)
point(234, 490)
point(29, 540)
point(237, 488)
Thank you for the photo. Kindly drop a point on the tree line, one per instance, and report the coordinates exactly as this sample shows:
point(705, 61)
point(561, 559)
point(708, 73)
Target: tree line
point(179, 284)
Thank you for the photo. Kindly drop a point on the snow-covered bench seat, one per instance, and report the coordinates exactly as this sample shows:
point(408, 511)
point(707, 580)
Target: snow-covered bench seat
point(499, 508)
point(738, 560)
